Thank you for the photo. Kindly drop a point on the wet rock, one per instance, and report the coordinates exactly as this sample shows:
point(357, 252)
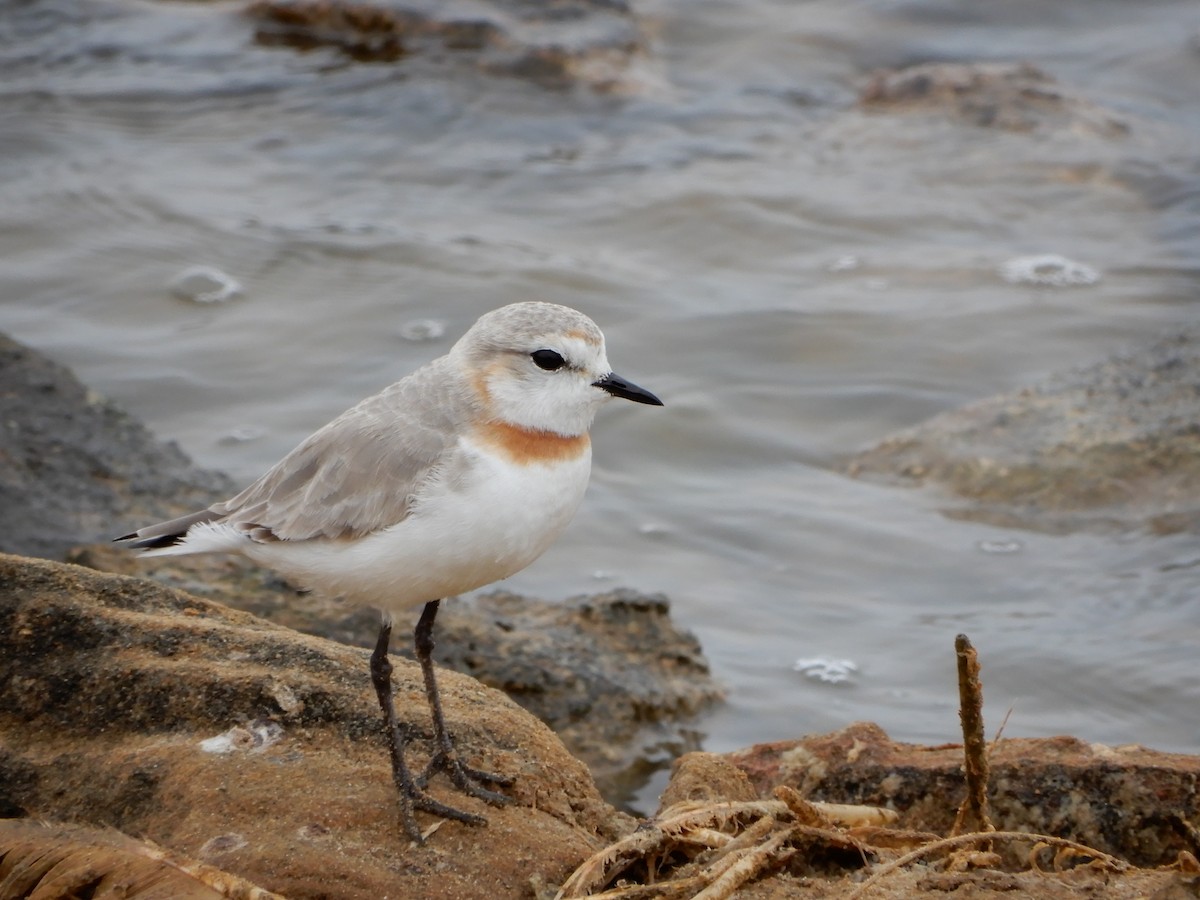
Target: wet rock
point(109, 685)
point(1110, 445)
point(75, 468)
point(610, 673)
point(1137, 804)
point(555, 44)
point(1009, 96)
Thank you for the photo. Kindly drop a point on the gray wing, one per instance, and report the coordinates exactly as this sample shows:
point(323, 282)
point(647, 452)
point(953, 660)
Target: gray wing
point(356, 475)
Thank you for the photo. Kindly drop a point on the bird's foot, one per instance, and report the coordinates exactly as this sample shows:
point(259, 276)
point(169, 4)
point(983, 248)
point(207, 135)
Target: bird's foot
point(413, 797)
point(467, 779)
point(422, 801)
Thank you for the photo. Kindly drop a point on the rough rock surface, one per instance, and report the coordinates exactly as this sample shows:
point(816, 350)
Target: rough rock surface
point(48, 861)
point(1137, 804)
point(1113, 444)
point(1008, 96)
point(553, 44)
point(73, 466)
point(610, 673)
point(256, 750)
point(108, 686)
point(739, 825)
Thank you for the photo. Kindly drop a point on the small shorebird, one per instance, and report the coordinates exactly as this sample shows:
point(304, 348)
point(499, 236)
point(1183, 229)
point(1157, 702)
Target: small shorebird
point(456, 476)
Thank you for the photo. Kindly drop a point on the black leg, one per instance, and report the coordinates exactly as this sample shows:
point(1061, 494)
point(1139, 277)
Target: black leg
point(410, 794)
point(444, 758)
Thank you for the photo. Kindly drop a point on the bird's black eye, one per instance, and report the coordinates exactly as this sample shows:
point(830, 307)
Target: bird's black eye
point(547, 359)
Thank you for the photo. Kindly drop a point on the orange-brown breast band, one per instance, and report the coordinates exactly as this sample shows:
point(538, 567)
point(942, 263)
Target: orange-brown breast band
point(527, 446)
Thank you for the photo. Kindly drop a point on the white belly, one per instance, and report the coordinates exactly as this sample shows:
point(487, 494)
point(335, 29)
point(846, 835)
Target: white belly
point(461, 536)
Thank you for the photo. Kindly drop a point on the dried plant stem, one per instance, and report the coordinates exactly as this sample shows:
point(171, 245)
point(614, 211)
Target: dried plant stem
point(748, 866)
point(984, 837)
point(970, 710)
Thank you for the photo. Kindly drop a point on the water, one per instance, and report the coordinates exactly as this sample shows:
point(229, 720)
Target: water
point(795, 277)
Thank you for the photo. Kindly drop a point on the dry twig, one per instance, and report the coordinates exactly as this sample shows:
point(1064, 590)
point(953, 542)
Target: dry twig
point(720, 859)
point(970, 711)
point(984, 837)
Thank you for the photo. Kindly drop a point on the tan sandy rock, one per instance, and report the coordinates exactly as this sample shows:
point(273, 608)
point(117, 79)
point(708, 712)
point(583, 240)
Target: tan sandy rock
point(110, 686)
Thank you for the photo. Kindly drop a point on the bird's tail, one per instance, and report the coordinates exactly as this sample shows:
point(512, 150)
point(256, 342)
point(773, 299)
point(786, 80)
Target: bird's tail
point(165, 535)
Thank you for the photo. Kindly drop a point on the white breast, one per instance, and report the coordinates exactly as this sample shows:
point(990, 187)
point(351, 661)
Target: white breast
point(486, 520)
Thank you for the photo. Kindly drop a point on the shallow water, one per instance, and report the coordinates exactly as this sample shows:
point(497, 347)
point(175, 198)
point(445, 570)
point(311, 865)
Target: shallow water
point(796, 278)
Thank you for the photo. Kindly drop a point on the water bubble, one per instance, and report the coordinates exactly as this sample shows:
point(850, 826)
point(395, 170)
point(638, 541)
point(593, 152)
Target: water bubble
point(242, 434)
point(653, 529)
point(1012, 545)
point(1048, 270)
point(846, 263)
point(602, 575)
point(204, 284)
point(826, 669)
point(421, 330)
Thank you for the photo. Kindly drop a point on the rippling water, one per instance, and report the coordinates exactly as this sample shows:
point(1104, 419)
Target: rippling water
point(794, 276)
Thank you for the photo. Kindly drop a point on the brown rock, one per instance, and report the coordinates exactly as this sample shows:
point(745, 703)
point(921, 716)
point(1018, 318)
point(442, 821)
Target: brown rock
point(614, 677)
point(706, 778)
point(49, 861)
point(552, 44)
point(721, 833)
point(1128, 801)
point(108, 686)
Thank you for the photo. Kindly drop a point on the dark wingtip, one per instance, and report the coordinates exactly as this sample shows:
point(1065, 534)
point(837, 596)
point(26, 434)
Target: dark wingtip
point(164, 534)
point(152, 543)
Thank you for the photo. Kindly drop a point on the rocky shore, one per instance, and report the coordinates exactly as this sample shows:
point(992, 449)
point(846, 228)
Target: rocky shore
point(154, 733)
point(250, 754)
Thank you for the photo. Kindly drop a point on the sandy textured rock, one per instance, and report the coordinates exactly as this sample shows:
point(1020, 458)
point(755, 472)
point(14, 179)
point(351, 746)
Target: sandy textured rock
point(47, 861)
point(256, 750)
point(611, 673)
point(1138, 804)
point(108, 686)
point(705, 778)
point(1113, 444)
point(1076, 884)
point(738, 826)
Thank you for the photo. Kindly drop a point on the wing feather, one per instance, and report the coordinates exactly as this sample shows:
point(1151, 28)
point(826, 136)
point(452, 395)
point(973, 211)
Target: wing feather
point(356, 475)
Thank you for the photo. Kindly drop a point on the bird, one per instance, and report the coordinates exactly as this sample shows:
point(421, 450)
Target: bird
point(459, 475)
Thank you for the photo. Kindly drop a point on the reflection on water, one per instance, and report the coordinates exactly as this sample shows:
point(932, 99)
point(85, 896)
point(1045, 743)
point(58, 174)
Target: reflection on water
point(794, 276)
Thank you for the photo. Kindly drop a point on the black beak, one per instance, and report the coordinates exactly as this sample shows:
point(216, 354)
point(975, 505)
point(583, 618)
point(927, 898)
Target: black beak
point(619, 387)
